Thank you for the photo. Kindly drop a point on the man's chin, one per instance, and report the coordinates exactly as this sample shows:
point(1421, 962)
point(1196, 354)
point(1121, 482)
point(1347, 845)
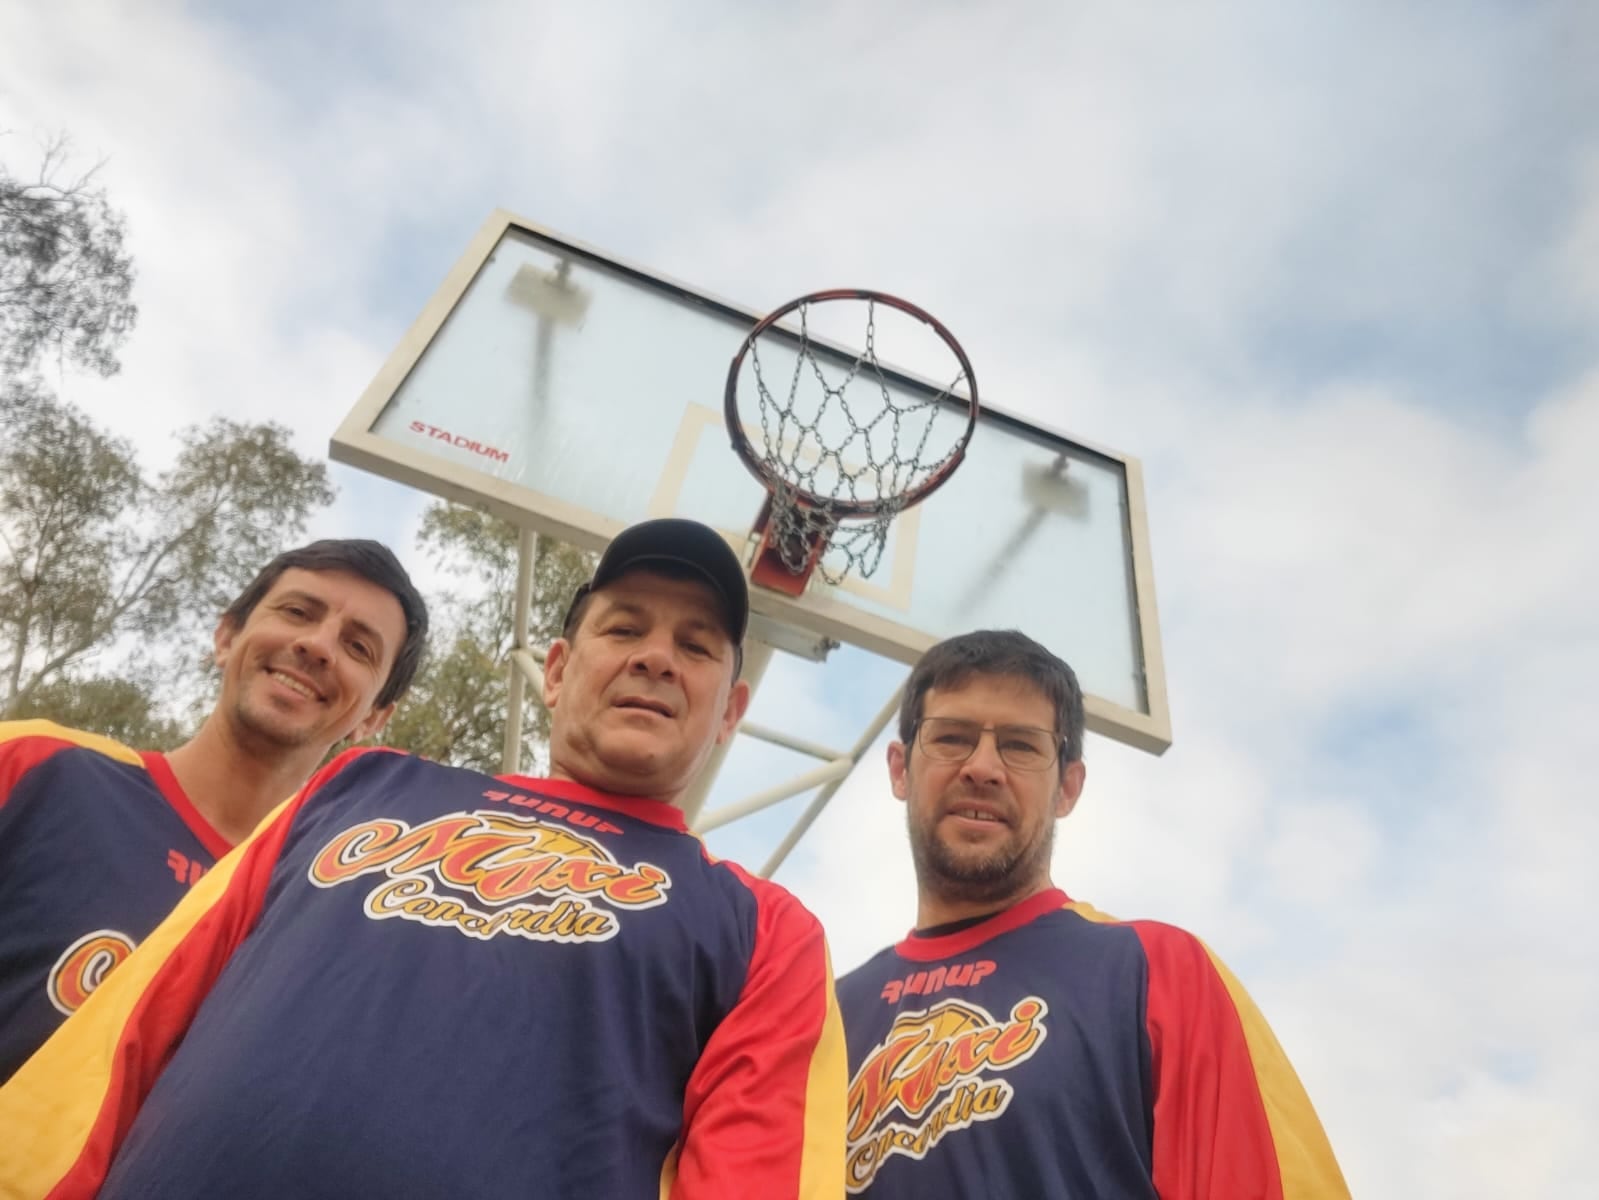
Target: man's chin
point(970, 865)
point(633, 752)
point(981, 873)
point(271, 728)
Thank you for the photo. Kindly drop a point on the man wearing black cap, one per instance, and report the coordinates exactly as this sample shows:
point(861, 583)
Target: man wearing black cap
point(622, 720)
point(425, 982)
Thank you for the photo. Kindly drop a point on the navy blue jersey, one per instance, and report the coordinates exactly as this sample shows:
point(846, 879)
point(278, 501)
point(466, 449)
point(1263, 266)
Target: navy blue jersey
point(97, 844)
point(1052, 1053)
point(421, 981)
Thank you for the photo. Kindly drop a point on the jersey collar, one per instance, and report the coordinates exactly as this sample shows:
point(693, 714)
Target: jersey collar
point(923, 949)
point(172, 791)
point(655, 812)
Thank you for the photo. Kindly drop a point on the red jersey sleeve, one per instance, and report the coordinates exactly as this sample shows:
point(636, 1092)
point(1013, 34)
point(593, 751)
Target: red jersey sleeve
point(67, 1110)
point(1232, 1120)
point(763, 1114)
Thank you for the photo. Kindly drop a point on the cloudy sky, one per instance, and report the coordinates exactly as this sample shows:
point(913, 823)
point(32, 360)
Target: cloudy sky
point(1330, 270)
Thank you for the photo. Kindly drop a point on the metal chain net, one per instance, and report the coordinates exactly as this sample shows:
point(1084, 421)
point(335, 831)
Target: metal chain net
point(871, 446)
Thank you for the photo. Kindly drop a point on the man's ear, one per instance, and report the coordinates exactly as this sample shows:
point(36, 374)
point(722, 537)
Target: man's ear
point(372, 724)
point(1072, 776)
point(738, 700)
point(899, 770)
point(222, 639)
point(555, 660)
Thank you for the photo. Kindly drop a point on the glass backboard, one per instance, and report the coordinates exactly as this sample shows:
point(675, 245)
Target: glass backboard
point(575, 394)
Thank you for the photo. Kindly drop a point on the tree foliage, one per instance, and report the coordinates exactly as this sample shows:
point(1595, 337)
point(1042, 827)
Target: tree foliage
point(66, 278)
point(122, 707)
point(456, 711)
point(110, 580)
point(93, 554)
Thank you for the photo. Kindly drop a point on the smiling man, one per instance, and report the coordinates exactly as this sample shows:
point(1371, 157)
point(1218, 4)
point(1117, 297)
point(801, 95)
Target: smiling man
point(426, 982)
point(1018, 1044)
point(98, 841)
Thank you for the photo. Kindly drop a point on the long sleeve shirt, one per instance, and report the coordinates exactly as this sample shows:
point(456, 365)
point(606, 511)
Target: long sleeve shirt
point(422, 981)
point(1051, 1053)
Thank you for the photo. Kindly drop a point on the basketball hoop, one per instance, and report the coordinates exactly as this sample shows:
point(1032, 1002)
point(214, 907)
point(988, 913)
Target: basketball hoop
point(851, 443)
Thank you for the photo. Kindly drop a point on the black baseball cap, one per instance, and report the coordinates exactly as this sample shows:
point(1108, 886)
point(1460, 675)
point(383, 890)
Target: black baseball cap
point(679, 542)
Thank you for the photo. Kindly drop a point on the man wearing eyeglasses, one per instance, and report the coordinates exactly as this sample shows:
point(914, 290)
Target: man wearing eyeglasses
point(1018, 1044)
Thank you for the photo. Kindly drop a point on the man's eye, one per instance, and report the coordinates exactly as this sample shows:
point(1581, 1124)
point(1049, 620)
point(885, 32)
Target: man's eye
point(294, 610)
point(696, 649)
point(953, 739)
point(361, 650)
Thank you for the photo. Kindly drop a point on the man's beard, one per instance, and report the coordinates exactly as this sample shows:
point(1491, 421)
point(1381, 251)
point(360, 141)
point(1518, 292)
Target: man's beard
point(993, 876)
point(264, 731)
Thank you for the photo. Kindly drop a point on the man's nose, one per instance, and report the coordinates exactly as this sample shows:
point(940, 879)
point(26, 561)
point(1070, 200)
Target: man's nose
point(984, 764)
point(319, 642)
point(655, 655)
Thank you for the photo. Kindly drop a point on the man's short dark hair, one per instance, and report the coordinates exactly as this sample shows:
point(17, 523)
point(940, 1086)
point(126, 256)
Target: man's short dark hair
point(584, 597)
point(997, 652)
point(372, 561)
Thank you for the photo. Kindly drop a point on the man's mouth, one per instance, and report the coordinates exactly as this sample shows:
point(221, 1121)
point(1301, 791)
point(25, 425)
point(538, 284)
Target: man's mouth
point(976, 814)
point(294, 685)
point(659, 707)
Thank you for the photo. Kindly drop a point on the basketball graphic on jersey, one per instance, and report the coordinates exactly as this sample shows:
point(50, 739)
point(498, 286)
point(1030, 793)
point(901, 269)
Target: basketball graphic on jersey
point(938, 1070)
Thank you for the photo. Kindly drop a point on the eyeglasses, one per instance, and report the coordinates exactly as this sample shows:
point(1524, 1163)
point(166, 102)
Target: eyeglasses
point(1022, 747)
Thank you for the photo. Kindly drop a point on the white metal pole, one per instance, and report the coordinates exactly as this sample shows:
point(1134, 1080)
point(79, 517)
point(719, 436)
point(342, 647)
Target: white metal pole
point(814, 809)
point(828, 772)
point(526, 552)
point(789, 742)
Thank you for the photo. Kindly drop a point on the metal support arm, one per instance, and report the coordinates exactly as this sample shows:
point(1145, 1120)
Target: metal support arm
point(814, 809)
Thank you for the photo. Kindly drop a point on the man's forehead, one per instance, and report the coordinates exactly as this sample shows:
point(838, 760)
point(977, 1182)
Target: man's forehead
point(346, 589)
point(299, 579)
point(680, 597)
point(1017, 698)
point(313, 583)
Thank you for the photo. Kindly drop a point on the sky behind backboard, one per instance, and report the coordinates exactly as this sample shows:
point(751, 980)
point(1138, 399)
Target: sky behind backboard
point(1332, 275)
